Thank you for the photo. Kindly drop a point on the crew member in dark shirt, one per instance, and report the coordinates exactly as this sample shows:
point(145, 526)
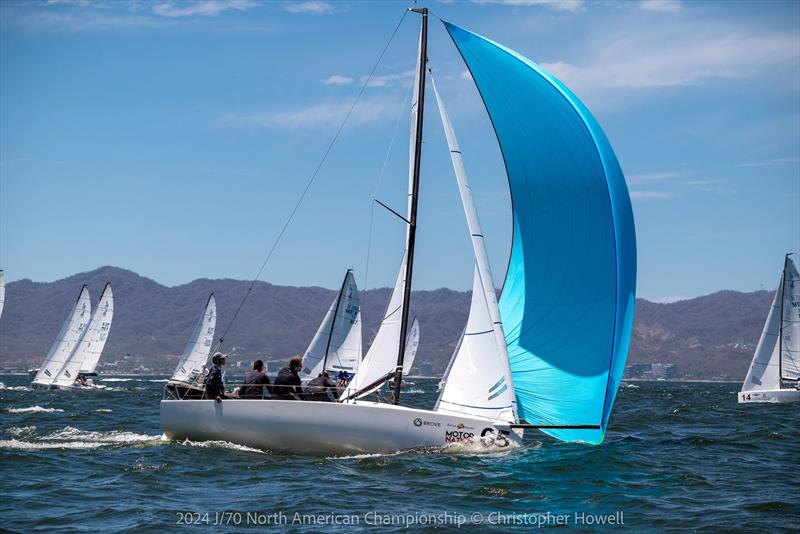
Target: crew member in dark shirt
point(318, 389)
point(288, 385)
point(215, 388)
point(254, 382)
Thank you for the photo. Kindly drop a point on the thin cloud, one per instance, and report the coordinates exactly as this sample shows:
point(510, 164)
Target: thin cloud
point(388, 80)
point(321, 114)
point(558, 5)
point(669, 6)
point(338, 79)
point(200, 8)
point(654, 176)
point(651, 195)
point(314, 7)
point(681, 53)
point(770, 162)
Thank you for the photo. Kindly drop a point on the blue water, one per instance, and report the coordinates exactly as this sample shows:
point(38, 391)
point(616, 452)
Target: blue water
point(677, 456)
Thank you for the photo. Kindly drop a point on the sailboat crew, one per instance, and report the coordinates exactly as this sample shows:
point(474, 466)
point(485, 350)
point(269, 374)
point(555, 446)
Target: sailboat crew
point(288, 385)
point(322, 389)
point(215, 386)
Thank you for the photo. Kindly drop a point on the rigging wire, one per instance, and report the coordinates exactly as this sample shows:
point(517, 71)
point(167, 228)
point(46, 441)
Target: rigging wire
point(311, 180)
point(380, 179)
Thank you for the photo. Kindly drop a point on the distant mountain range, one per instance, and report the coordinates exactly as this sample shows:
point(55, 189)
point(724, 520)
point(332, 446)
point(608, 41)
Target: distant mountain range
point(707, 337)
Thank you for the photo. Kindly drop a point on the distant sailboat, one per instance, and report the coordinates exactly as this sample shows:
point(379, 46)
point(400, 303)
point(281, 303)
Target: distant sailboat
point(774, 374)
point(82, 363)
point(550, 354)
point(336, 346)
point(2, 291)
point(65, 343)
point(185, 381)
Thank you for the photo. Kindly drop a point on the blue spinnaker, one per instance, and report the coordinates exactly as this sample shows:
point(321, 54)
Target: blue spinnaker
point(568, 297)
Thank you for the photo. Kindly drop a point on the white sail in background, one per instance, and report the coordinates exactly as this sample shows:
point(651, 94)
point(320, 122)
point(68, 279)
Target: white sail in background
point(198, 348)
point(381, 357)
point(479, 379)
point(338, 336)
point(90, 346)
point(2, 291)
point(412, 343)
point(67, 340)
point(790, 333)
point(763, 374)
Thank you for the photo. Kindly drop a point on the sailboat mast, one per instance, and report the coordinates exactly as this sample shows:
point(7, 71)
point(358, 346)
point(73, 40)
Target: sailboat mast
point(333, 322)
point(412, 220)
point(780, 323)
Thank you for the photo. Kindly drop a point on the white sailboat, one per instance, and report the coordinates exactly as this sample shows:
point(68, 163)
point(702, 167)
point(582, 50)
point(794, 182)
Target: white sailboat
point(550, 354)
point(188, 373)
point(65, 343)
point(80, 367)
point(336, 346)
point(2, 291)
point(774, 374)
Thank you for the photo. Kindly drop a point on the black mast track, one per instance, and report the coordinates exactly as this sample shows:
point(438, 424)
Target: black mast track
point(412, 223)
point(780, 328)
point(333, 322)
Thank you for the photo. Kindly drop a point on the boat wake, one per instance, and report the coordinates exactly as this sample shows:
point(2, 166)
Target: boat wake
point(34, 409)
point(74, 438)
point(219, 444)
point(14, 388)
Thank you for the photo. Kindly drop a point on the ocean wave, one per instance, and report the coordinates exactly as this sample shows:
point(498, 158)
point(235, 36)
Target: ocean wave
point(34, 409)
point(363, 456)
point(160, 380)
point(219, 444)
point(103, 410)
point(14, 388)
point(121, 379)
point(414, 390)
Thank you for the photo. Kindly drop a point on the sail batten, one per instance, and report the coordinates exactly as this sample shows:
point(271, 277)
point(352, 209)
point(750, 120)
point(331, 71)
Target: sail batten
point(567, 299)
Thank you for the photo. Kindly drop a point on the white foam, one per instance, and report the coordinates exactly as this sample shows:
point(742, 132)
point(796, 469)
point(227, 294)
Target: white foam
point(161, 380)
point(121, 379)
point(20, 430)
point(414, 390)
point(28, 445)
point(110, 437)
point(15, 388)
point(630, 386)
point(34, 409)
point(362, 456)
point(103, 410)
point(222, 445)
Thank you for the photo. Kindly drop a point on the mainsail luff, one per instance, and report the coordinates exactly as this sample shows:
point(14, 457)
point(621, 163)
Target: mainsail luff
point(197, 350)
point(418, 109)
point(484, 317)
point(90, 346)
point(68, 337)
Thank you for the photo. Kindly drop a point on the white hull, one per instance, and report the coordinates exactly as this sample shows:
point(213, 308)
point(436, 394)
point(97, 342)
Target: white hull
point(774, 395)
point(306, 427)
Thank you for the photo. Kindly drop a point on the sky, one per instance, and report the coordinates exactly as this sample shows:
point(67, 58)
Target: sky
point(174, 138)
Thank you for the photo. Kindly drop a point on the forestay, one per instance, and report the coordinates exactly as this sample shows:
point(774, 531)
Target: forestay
point(197, 350)
point(68, 337)
point(568, 296)
point(478, 381)
point(337, 344)
point(90, 346)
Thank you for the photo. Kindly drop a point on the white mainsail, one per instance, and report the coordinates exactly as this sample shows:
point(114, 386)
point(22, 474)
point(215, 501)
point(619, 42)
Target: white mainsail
point(381, 358)
point(90, 346)
point(479, 378)
point(337, 344)
point(412, 343)
point(198, 348)
point(67, 340)
point(2, 291)
point(790, 331)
